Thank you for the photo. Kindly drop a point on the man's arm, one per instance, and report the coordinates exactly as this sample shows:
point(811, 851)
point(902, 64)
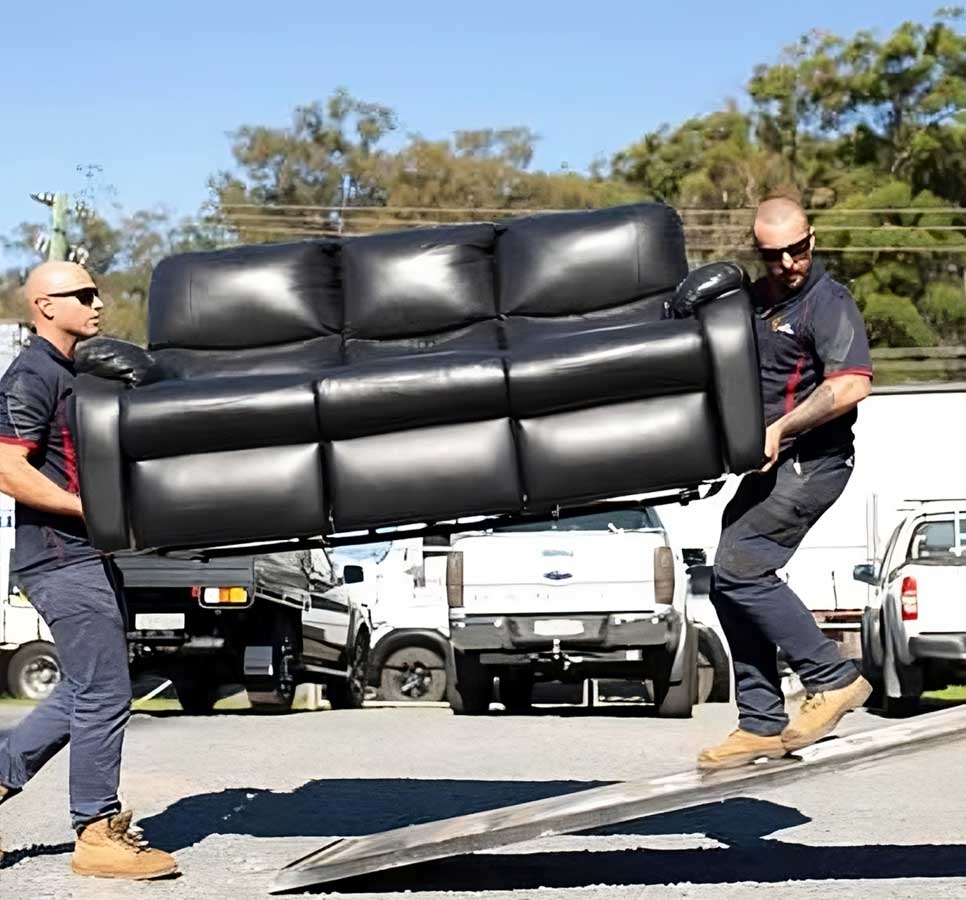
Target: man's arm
point(26, 485)
point(831, 399)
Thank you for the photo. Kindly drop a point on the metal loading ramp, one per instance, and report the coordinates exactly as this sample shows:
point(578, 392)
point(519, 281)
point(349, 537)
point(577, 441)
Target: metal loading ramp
point(611, 805)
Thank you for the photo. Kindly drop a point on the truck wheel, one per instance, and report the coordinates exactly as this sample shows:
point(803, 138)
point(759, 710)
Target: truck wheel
point(470, 686)
point(351, 692)
point(197, 694)
point(676, 701)
point(714, 669)
point(34, 671)
point(516, 689)
point(281, 628)
point(413, 673)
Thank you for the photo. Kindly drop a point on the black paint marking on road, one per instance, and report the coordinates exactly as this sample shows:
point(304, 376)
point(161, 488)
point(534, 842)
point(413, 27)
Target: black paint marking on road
point(610, 805)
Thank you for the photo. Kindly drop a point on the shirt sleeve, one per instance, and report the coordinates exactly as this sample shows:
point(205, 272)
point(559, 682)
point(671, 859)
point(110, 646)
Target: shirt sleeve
point(26, 409)
point(839, 337)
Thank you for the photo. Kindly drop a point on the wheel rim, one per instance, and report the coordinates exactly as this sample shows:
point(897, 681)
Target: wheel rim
point(414, 681)
point(40, 677)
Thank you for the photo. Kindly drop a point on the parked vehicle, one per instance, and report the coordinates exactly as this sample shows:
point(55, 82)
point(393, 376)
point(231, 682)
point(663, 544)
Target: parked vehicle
point(914, 623)
point(268, 622)
point(594, 596)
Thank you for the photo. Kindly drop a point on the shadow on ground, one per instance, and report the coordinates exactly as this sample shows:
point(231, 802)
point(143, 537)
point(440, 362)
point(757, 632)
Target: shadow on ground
point(355, 807)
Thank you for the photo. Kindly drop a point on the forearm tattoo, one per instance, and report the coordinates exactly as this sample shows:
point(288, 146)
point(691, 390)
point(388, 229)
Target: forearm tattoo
point(818, 408)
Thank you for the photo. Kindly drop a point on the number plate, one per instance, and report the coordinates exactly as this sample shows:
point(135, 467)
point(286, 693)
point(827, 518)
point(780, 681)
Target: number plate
point(159, 621)
point(558, 627)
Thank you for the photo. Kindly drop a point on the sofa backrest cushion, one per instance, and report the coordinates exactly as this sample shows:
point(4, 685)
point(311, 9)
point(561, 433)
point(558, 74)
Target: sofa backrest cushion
point(574, 262)
point(246, 296)
point(418, 282)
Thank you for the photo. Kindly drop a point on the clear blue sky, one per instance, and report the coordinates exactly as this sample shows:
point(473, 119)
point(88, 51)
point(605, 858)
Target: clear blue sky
point(150, 91)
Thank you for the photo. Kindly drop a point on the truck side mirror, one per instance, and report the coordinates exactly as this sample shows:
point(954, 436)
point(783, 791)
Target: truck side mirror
point(865, 573)
point(353, 574)
point(694, 556)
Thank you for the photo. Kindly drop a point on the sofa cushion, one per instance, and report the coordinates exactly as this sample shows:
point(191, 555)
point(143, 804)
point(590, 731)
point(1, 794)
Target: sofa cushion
point(203, 415)
point(482, 337)
point(234, 497)
point(573, 262)
point(404, 392)
point(311, 358)
point(248, 296)
point(423, 475)
point(417, 282)
point(605, 365)
point(619, 449)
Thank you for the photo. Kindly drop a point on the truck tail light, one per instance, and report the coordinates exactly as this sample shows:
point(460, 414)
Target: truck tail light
point(663, 576)
point(910, 599)
point(454, 579)
point(221, 596)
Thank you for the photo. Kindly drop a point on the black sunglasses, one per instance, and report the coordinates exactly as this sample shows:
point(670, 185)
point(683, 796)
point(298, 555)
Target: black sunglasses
point(86, 296)
point(796, 250)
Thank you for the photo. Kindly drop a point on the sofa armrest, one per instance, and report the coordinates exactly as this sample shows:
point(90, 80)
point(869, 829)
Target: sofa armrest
point(116, 360)
point(96, 414)
point(706, 283)
point(732, 348)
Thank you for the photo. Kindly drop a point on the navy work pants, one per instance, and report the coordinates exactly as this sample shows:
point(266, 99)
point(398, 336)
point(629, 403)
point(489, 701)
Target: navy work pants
point(91, 704)
point(762, 527)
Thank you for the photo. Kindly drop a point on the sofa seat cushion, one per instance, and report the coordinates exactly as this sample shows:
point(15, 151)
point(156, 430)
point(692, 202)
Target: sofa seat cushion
point(606, 365)
point(409, 391)
point(309, 358)
point(204, 415)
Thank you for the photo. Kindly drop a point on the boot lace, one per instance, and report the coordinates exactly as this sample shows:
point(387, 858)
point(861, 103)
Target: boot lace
point(123, 831)
point(813, 702)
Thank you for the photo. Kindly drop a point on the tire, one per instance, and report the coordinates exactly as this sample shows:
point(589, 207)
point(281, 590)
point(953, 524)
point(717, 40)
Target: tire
point(413, 673)
point(197, 694)
point(470, 687)
point(34, 671)
point(277, 693)
point(677, 701)
point(516, 689)
point(900, 707)
point(350, 693)
point(714, 669)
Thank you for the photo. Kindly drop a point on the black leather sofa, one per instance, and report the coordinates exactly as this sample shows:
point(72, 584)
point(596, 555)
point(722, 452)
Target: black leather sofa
point(323, 387)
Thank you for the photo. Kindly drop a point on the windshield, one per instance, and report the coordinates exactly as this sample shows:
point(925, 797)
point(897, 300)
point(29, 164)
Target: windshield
point(623, 519)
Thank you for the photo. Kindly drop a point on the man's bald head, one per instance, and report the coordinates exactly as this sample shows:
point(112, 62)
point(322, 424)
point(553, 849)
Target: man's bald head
point(780, 214)
point(64, 303)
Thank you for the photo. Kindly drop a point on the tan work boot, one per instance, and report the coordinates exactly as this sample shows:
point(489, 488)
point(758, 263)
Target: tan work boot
point(108, 849)
point(739, 749)
point(821, 712)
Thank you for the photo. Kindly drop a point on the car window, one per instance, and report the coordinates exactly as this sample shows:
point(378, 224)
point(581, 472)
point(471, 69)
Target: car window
point(888, 551)
point(626, 519)
point(936, 540)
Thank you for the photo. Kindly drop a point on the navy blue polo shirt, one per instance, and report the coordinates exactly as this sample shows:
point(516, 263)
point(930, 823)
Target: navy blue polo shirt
point(34, 395)
point(814, 334)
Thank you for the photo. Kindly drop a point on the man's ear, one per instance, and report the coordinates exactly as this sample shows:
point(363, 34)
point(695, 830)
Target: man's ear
point(45, 307)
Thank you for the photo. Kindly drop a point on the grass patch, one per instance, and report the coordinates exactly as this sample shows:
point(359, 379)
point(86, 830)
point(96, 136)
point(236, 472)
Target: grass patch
point(955, 693)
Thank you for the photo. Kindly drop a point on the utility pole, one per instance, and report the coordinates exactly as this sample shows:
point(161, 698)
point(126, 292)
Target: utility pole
point(58, 228)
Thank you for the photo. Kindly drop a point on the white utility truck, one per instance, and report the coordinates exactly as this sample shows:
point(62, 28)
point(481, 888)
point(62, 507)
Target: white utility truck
point(914, 624)
point(601, 595)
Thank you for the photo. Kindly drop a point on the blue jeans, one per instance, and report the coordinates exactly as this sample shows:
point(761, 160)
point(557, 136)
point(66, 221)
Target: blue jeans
point(91, 705)
point(762, 527)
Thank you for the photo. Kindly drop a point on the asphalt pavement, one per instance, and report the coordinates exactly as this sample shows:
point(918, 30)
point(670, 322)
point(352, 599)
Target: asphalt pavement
point(236, 796)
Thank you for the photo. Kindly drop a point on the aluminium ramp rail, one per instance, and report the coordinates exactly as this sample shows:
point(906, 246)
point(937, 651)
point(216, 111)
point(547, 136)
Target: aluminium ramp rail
point(610, 805)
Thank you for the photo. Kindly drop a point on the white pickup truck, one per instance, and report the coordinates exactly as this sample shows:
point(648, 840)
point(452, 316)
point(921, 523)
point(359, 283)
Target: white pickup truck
point(593, 596)
point(914, 624)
